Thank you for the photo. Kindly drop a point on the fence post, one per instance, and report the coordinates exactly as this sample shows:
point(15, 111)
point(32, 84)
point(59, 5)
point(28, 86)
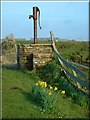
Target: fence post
point(78, 85)
point(18, 56)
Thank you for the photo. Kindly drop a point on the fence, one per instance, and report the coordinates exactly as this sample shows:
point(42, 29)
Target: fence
point(70, 70)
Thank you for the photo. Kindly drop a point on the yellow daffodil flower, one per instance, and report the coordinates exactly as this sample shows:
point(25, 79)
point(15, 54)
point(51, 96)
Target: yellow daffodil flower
point(51, 87)
point(42, 84)
point(55, 88)
point(45, 84)
point(63, 92)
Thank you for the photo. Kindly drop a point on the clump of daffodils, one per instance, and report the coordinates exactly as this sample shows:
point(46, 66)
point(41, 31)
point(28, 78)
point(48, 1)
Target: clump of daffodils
point(44, 85)
point(41, 84)
point(44, 95)
point(51, 88)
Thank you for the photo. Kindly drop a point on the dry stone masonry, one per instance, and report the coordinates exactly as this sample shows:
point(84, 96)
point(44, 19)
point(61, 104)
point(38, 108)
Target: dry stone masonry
point(9, 50)
point(34, 55)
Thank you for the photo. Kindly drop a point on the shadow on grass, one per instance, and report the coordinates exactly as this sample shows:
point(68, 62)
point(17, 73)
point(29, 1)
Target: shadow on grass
point(14, 67)
point(30, 98)
point(10, 66)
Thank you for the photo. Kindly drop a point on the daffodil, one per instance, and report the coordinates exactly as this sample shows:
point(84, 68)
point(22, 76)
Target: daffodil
point(63, 92)
point(55, 88)
point(41, 83)
point(50, 93)
point(51, 87)
point(45, 84)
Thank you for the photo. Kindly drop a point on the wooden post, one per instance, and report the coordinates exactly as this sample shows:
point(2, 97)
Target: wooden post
point(18, 56)
point(78, 85)
point(35, 23)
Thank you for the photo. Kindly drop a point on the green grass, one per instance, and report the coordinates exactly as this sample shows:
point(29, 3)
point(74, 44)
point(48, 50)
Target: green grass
point(23, 42)
point(74, 49)
point(30, 42)
point(17, 85)
point(17, 103)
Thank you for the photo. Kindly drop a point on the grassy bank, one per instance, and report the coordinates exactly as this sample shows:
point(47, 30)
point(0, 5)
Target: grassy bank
point(22, 98)
point(17, 102)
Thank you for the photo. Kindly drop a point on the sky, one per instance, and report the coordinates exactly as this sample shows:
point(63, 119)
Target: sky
point(67, 20)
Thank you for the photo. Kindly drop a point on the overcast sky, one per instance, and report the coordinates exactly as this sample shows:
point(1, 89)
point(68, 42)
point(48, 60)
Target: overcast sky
point(69, 20)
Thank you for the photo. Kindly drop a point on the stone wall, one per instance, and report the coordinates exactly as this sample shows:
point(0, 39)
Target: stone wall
point(8, 50)
point(34, 55)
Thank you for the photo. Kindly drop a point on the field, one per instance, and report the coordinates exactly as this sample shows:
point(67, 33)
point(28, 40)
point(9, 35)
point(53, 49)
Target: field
point(17, 84)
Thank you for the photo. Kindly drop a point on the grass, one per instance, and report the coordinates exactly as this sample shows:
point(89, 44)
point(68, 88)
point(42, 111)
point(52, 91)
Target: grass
point(17, 102)
point(74, 51)
point(17, 85)
point(30, 41)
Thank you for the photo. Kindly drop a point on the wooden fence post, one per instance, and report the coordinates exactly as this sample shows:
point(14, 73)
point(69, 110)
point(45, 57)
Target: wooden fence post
point(78, 85)
point(18, 56)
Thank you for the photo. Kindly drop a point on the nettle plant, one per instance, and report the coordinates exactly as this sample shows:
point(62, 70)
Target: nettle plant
point(46, 96)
